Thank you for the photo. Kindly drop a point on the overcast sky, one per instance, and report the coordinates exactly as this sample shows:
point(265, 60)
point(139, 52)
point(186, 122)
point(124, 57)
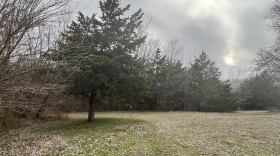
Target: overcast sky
point(230, 31)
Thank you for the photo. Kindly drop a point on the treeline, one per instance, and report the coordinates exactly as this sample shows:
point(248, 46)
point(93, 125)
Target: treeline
point(109, 62)
point(102, 63)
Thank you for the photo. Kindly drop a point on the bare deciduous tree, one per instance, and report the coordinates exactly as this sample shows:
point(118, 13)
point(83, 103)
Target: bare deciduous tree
point(174, 50)
point(18, 19)
point(146, 52)
point(268, 59)
point(29, 82)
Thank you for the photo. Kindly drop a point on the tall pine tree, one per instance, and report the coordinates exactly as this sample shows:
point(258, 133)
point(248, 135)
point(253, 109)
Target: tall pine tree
point(206, 91)
point(99, 51)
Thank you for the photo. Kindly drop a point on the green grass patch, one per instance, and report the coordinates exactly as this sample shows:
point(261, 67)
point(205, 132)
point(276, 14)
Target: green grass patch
point(75, 127)
point(105, 136)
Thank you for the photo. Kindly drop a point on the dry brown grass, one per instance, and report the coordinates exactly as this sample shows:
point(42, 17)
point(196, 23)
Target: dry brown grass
point(157, 133)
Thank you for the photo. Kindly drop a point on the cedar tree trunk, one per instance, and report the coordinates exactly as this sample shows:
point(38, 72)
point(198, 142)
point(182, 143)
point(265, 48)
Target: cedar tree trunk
point(91, 107)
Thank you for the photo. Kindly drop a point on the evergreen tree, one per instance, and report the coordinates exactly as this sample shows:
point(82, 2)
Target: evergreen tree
point(172, 88)
point(166, 78)
point(156, 75)
point(101, 51)
point(260, 92)
point(207, 92)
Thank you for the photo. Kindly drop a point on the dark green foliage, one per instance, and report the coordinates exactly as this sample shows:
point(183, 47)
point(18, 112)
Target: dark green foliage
point(173, 85)
point(166, 81)
point(157, 76)
point(132, 89)
point(260, 92)
point(99, 52)
point(226, 100)
point(206, 91)
point(197, 88)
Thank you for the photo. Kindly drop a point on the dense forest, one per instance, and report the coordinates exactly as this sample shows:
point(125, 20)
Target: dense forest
point(51, 62)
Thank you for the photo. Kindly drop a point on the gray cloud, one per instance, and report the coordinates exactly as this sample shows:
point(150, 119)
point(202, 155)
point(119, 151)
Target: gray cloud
point(224, 29)
point(253, 30)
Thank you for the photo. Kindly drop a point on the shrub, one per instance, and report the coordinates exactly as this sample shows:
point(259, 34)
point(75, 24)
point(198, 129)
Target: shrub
point(9, 120)
point(273, 109)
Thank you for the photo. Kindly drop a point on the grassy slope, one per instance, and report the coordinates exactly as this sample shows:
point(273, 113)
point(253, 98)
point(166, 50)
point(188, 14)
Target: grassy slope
point(170, 133)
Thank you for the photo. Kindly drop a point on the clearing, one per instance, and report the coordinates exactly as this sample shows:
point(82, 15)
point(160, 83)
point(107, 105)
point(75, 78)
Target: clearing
point(150, 133)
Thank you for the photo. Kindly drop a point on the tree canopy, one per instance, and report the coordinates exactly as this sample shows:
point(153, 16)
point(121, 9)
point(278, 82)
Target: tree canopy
point(207, 91)
point(99, 50)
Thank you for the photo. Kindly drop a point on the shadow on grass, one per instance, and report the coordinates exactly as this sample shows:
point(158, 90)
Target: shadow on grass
point(82, 124)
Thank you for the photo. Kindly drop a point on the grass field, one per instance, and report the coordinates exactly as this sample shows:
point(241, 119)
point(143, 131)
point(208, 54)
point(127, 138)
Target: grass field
point(150, 133)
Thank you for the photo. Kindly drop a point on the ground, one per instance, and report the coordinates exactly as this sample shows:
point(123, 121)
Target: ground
point(150, 133)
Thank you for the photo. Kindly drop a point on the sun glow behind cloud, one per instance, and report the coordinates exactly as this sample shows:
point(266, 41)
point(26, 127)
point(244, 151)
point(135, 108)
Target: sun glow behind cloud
point(229, 59)
point(225, 14)
point(226, 30)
